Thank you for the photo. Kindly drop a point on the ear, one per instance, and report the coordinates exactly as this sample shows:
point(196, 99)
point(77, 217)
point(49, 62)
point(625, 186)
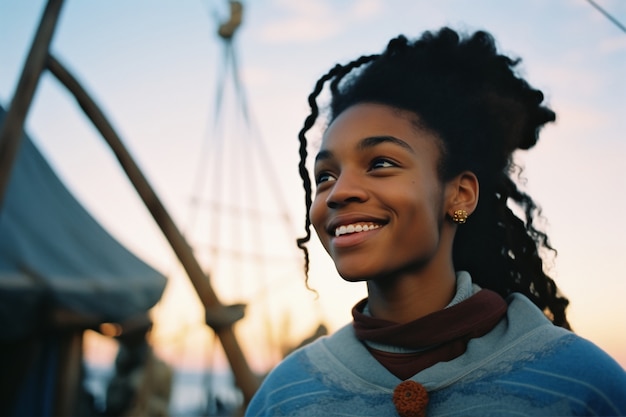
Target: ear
point(462, 193)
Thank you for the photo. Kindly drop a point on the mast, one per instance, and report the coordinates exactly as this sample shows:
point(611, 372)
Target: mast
point(13, 126)
point(219, 317)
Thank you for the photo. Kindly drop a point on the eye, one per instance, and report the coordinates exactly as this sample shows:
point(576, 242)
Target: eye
point(323, 177)
point(382, 163)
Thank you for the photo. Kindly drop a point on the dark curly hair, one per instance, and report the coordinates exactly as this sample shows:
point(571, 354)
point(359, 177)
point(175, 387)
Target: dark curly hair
point(467, 93)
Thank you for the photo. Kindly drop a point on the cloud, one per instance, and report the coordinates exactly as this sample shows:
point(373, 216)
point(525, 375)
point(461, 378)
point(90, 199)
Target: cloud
point(310, 21)
point(366, 9)
point(613, 45)
point(256, 76)
point(300, 29)
point(301, 21)
point(577, 118)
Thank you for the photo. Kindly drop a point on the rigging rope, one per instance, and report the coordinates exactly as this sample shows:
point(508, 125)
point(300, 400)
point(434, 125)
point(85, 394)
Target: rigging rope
point(247, 210)
point(607, 15)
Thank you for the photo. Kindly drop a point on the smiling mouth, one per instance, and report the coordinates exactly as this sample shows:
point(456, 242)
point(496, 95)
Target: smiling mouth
point(355, 228)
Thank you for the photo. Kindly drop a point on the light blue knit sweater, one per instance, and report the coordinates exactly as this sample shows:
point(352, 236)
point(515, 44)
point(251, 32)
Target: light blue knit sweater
point(524, 367)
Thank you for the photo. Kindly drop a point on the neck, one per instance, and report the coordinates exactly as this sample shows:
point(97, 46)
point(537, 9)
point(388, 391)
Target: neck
point(410, 296)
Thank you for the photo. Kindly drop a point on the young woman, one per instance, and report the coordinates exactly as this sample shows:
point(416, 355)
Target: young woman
point(414, 195)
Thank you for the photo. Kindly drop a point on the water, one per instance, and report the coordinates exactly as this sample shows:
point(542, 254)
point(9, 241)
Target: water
point(206, 393)
point(194, 393)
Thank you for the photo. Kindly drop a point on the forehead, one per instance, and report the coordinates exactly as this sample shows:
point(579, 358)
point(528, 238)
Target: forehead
point(369, 120)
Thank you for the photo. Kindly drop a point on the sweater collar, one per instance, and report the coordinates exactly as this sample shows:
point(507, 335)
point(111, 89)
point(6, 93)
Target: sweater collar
point(465, 288)
point(472, 312)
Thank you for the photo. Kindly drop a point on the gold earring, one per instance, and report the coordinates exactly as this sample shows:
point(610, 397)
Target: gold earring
point(460, 216)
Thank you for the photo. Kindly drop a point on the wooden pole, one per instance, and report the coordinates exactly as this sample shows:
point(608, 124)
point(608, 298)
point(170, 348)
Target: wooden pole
point(13, 127)
point(245, 379)
point(69, 379)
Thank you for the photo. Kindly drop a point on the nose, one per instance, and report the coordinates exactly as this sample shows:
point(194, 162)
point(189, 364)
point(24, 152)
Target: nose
point(348, 188)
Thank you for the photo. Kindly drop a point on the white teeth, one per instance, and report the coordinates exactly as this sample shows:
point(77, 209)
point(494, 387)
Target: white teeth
point(355, 228)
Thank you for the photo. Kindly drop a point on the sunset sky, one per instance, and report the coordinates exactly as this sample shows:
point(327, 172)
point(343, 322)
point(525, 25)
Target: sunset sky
point(153, 66)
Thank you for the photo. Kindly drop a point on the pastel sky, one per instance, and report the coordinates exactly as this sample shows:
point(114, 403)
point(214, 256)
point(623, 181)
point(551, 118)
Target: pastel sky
point(153, 66)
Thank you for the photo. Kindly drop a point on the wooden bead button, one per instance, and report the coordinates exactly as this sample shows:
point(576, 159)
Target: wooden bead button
point(410, 399)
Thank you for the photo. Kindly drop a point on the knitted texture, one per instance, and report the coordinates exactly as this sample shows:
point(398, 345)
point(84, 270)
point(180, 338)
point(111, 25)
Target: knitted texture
point(524, 366)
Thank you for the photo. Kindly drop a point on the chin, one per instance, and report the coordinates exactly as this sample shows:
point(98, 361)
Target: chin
point(351, 275)
point(353, 279)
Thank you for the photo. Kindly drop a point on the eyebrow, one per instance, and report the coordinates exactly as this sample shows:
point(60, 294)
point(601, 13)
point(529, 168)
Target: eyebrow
point(368, 143)
point(373, 141)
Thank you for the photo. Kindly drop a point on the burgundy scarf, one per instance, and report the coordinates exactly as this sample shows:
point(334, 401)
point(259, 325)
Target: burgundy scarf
point(443, 335)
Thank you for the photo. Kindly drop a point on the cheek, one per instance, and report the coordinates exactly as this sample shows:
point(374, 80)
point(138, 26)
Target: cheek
point(422, 215)
point(316, 214)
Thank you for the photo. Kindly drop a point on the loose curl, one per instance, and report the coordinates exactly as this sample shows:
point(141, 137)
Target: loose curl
point(470, 96)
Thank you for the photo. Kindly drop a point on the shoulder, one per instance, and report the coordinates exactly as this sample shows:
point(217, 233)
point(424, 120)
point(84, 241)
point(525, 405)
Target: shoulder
point(290, 378)
point(296, 382)
point(528, 365)
point(562, 347)
point(583, 361)
point(570, 374)
point(312, 358)
point(331, 376)
point(559, 363)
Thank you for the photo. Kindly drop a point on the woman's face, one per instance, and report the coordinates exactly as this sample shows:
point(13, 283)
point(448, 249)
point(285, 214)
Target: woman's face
point(379, 204)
